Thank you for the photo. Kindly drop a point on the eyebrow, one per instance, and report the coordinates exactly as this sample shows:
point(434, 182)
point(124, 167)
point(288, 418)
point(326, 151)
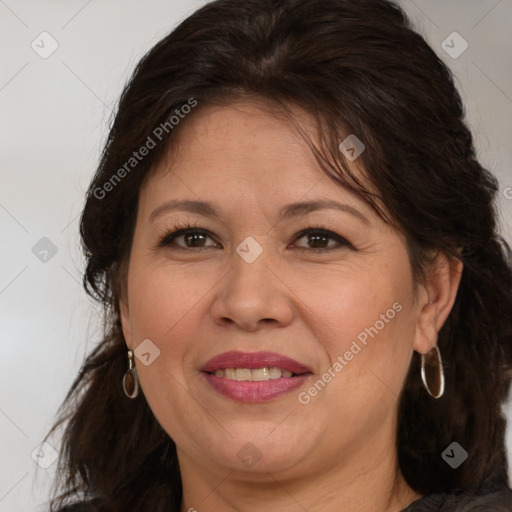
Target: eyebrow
point(207, 209)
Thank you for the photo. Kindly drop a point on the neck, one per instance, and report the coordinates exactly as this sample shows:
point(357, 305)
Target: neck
point(361, 482)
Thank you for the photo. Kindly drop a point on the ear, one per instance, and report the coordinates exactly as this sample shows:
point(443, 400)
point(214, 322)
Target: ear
point(435, 300)
point(124, 311)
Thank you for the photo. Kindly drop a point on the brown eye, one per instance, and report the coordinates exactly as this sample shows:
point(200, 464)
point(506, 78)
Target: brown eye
point(192, 238)
point(320, 238)
point(195, 238)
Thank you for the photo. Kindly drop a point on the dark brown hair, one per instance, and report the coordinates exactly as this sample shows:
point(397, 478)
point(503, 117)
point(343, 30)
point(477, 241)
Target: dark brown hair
point(354, 67)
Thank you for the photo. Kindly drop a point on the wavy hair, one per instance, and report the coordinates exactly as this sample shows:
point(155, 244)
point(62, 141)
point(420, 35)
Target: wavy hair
point(354, 67)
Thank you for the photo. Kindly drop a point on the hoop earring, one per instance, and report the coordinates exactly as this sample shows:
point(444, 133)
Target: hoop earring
point(130, 379)
point(432, 373)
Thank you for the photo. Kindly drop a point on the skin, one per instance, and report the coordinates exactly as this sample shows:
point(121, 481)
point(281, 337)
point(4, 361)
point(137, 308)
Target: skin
point(337, 451)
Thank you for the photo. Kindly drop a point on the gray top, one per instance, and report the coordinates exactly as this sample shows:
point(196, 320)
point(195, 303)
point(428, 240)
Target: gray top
point(498, 500)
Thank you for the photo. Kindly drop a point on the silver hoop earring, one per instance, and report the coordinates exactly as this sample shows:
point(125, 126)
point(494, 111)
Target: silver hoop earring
point(432, 373)
point(130, 379)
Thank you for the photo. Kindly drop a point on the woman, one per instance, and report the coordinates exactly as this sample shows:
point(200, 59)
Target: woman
point(307, 302)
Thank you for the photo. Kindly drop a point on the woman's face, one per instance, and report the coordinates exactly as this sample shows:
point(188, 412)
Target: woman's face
point(340, 305)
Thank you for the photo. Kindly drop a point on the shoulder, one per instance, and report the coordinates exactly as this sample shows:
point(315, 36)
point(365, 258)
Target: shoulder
point(498, 500)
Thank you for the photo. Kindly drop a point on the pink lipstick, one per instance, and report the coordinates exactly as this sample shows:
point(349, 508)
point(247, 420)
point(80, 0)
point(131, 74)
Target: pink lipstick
point(254, 376)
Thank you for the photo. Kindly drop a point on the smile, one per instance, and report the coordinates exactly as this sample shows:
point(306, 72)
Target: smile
point(256, 374)
point(253, 391)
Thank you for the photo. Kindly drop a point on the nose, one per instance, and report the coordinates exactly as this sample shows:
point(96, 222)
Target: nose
point(252, 295)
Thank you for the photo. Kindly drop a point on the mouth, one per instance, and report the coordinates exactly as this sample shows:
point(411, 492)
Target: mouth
point(254, 376)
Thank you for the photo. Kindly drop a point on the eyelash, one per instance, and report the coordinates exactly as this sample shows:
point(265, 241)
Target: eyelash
point(180, 229)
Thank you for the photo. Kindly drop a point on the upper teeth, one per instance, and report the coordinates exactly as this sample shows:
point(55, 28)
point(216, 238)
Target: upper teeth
point(255, 374)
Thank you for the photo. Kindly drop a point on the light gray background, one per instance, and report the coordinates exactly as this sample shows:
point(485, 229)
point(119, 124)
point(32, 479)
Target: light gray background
point(55, 114)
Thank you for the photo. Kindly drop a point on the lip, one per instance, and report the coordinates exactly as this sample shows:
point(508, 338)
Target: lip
point(252, 360)
point(254, 391)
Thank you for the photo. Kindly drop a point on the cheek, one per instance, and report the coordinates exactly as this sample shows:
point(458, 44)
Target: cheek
point(352, 302)
point(368, 360)
point(164, 304)
point(366, 317)
point(162, 299)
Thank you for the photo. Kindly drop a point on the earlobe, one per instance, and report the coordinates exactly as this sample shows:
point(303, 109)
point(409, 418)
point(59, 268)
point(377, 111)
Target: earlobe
point(435, 300)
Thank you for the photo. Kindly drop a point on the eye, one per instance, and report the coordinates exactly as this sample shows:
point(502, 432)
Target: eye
point(191, 235)
point(195, 237)
point(320, 238)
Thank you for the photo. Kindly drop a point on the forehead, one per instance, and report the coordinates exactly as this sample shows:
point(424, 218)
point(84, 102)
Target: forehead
point(243, 136)
point(247, 167)
point(245, 146)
